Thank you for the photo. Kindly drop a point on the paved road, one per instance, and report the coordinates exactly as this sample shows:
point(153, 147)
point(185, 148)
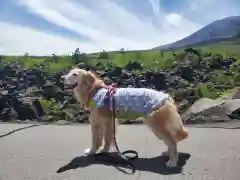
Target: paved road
point(37, 153)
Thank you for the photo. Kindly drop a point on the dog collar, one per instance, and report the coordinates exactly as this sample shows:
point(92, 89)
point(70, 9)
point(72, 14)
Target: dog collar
point(91, 103)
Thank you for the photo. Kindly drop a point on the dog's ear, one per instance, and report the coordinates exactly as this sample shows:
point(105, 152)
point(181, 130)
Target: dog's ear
point(90, 78)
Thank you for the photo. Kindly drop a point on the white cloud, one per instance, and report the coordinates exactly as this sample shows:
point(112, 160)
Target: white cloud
point(174, 19)
point(108, 25)
point(16, 39)
point(155, 6)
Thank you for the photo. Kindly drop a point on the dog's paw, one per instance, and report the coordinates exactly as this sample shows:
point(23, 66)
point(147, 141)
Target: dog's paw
point(171, 164)
point(88, 152)
point(104, 149)
point(165, 153)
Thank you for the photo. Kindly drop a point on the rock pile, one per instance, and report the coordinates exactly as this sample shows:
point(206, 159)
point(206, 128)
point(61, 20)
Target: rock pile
point(34, 94)
point(221, 109)
point(27, 94)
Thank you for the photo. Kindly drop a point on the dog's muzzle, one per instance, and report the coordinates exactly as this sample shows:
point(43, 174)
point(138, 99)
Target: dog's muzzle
point(70, 86)
point(67, 86)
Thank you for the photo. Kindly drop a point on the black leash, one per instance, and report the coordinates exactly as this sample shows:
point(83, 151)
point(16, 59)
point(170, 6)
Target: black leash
point(118, 158)
point(122, 158)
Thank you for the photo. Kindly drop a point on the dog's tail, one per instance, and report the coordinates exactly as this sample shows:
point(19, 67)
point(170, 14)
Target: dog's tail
point(181, 134)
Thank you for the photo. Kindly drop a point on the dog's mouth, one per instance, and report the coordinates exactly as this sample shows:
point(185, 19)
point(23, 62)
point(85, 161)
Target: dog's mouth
point(70, 86)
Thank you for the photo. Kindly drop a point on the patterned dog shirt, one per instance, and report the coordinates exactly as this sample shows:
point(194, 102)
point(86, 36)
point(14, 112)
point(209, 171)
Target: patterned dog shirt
point(130, 102)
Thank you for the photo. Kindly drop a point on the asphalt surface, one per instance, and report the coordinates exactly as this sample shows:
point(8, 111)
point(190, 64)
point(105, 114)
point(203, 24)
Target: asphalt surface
point(37, 153)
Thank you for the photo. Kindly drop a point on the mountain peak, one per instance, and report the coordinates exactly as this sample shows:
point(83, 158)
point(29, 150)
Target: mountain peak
point(225, 28)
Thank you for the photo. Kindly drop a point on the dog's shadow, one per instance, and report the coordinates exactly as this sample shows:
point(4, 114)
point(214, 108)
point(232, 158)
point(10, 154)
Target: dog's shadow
point(156, 164)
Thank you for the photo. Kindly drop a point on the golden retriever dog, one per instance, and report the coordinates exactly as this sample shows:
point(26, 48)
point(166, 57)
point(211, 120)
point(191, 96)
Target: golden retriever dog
point(157, 109)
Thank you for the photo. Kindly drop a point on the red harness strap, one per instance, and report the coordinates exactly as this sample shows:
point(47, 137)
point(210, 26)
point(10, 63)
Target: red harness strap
point(111, 89)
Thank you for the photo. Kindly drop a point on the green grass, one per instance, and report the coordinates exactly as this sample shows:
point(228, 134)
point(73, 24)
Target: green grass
point(226, 48)
point(31, 62)
point(156, 58)
point(149, 58)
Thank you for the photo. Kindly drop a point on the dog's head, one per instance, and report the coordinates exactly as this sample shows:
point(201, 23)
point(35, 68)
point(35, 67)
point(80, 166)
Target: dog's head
point(84, 82)
point(78, 77)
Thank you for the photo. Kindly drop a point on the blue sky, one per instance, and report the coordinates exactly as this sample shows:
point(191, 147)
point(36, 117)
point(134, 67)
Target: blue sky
point(43, 27)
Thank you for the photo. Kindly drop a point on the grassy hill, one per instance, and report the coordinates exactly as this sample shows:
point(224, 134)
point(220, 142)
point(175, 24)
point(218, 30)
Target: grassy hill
point(149, 58)
point(230, 47)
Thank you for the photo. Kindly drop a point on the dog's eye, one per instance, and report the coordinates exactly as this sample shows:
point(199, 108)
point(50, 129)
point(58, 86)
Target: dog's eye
point(74, 74)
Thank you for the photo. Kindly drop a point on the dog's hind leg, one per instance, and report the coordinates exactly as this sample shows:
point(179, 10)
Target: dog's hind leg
point(172, 152)
point(165, 124)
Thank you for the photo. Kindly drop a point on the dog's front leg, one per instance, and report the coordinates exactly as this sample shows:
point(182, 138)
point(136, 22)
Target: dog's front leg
point(96, 132)
point(108, 135)
point(97, 136)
